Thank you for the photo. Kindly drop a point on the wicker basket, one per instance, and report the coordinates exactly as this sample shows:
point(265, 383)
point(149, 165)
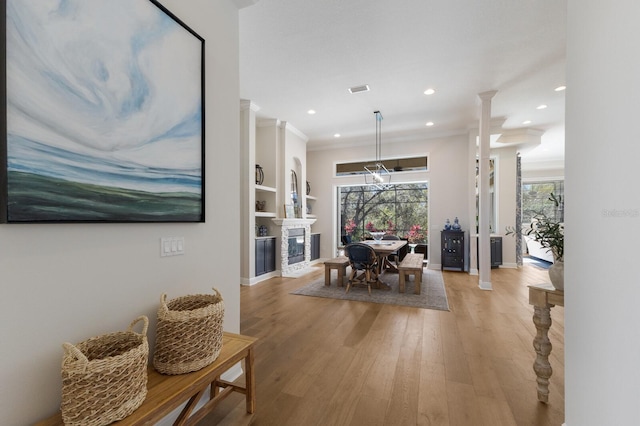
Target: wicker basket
point(189, 335)
point(104, 378)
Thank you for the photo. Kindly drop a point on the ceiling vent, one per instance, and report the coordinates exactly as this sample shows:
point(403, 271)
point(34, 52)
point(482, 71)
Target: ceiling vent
point(358, 89)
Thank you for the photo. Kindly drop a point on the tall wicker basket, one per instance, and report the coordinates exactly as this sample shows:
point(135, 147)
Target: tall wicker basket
point(189, 335)
point(104, 378)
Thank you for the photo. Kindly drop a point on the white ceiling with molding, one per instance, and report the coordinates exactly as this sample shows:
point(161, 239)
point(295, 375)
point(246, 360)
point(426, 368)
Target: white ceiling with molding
point(303, 55)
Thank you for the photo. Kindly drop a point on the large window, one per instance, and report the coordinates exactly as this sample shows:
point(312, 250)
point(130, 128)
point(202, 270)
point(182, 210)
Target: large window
point(400, 209)
point(535, 200)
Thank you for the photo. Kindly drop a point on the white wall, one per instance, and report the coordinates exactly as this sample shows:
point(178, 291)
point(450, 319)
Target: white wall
point(447, 178)
point(69, 282)
point(602, 216)
point(506, 201)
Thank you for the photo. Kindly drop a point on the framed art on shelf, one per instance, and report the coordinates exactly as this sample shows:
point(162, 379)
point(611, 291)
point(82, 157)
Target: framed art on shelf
point(289, 211)
point(104, 114)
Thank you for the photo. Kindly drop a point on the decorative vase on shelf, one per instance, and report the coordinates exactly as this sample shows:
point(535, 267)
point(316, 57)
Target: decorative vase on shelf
point(456, 225)
point(308, 188)
point(447, 225)
point(259, 175)
point(260, 205)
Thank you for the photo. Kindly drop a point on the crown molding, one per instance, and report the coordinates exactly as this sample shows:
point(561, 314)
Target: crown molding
point(287, 126)
point(267, 122)
point(245, 105)
point(389, 138)
point(521, 136)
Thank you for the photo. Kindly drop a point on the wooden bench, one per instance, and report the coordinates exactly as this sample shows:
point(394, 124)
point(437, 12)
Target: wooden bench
point(166, 393)
point(411, 264)
point(339, 263)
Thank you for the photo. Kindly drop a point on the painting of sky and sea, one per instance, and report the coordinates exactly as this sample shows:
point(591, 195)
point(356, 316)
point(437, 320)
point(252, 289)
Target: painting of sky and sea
point(104, 113)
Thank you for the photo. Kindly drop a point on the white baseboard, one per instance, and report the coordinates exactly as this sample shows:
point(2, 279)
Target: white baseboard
point(485, 285)
point(473, 271)
point(259, 279)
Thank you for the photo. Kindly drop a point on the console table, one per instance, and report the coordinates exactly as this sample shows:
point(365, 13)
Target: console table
point(166, 393)
point(543, 297)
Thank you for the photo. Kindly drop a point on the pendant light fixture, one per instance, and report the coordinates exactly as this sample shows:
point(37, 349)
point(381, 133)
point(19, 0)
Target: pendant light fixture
point(377, 174)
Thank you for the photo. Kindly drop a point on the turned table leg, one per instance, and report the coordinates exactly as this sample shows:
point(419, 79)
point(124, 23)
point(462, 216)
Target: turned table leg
point(542, 346)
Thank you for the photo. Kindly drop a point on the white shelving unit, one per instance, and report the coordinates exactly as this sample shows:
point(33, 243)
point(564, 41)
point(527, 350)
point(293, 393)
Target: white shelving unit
point(310, 205)
point(277, 148)
point(267, 194)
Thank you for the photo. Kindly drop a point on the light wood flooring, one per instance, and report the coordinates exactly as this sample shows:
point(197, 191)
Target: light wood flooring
point(331, 362)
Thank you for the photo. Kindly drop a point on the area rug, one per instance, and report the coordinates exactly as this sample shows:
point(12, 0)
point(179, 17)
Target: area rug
point(432, 293)
point(538, 263)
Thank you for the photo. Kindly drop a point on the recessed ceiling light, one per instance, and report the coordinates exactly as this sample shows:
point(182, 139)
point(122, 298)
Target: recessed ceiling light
point(560, 88)
point(429, 91)
point(358, 89)
point(311, 111)
point(543, 106)
point(429, 123)
point(337, 135)
point(526, 122)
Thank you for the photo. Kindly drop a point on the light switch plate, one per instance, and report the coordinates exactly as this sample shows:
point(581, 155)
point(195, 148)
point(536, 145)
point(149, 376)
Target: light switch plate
point(171, 246)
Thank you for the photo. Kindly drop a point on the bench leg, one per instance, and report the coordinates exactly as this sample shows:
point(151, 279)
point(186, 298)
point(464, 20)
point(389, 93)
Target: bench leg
point(250, 382)
point(327, 275)
point(401, 278)
point(418, 282)
point(342, 271)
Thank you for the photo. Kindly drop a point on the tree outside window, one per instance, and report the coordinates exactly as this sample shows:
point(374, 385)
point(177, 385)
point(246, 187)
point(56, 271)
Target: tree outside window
point(400, 209)
point(535, 200)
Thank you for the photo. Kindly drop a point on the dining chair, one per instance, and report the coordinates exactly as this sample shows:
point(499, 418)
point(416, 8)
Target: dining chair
point(362, 258)
point(397, 255)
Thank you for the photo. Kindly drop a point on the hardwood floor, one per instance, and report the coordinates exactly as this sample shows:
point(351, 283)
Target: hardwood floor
point(331, 362)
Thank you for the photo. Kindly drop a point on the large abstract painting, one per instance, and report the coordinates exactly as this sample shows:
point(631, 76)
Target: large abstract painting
point(104, 113)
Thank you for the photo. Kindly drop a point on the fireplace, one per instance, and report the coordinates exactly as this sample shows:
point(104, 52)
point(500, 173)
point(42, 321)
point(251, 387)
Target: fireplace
point(296, 245)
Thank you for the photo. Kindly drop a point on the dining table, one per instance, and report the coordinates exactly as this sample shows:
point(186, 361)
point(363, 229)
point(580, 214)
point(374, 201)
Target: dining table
point(383, 249)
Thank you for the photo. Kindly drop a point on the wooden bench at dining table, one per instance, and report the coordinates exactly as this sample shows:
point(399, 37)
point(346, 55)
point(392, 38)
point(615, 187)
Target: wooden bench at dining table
point(340, 263)
point(166, 393)
point(411, 264)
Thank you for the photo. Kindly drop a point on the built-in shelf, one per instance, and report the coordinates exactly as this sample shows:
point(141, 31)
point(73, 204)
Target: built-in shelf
point(293, 221)
point(265, 214)
point(311, 216)
point(265, 188)
point(310, 197)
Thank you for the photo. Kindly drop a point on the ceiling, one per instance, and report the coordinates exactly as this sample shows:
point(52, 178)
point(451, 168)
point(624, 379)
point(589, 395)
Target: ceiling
point(301, 55)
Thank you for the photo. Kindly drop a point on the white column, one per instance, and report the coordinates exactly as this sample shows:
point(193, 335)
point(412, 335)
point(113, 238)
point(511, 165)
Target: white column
point(484, 242)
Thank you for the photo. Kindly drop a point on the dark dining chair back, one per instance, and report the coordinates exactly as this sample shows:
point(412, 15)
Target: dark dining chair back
point(398, 255)
point(362, 258)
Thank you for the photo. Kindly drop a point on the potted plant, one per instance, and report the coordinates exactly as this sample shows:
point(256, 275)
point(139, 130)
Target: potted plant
point(549, 233)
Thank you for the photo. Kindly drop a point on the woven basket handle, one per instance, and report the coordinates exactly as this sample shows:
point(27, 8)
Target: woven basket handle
point(70, 349)
point(145, 325)
point(163, 303)
point(217, 293)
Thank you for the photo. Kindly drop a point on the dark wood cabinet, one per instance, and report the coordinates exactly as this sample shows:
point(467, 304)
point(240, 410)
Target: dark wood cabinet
point(265, 255)
point(315, 246)
point(452, 244)
point(496, 252)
